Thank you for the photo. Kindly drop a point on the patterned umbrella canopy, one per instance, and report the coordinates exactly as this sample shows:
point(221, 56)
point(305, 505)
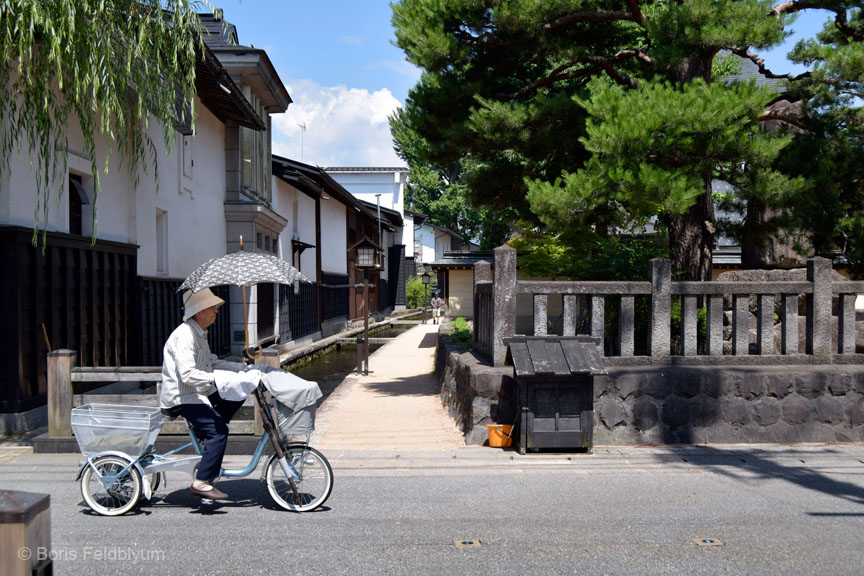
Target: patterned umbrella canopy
point(242, 269)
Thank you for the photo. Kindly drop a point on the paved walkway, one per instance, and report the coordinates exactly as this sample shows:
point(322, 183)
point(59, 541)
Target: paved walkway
point(396, 407)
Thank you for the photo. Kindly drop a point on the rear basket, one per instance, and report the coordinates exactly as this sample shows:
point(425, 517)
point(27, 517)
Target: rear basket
point(110, 427)
point(295, 421)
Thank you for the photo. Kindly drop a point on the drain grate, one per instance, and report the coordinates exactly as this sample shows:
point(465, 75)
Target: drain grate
point(467, 543)
point(708, 541)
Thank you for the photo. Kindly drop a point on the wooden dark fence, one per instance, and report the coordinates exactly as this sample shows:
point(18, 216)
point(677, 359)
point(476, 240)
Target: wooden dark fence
point(334, 296)
point(298, 313)
point(83, 294)
point(160, 311)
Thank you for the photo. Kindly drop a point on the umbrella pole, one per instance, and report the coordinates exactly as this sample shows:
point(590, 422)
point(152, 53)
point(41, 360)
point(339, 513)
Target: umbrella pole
point(246, 330)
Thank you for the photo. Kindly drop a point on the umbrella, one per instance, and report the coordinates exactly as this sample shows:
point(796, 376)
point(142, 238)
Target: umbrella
point(242, 269)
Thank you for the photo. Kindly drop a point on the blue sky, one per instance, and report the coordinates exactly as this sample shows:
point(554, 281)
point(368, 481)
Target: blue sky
point(346, 77)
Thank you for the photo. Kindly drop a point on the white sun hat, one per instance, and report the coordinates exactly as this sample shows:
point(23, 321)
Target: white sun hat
point(195, 302)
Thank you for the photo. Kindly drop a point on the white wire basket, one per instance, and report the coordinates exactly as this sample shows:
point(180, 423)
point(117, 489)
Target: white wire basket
point(128, 429)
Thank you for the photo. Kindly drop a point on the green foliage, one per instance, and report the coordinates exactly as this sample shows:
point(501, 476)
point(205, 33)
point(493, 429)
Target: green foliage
point(462, 332)
point(415, 292)
point(828, 212)
point(652, 148)
point(507, 88)
point(588, 258)
point(111, 66)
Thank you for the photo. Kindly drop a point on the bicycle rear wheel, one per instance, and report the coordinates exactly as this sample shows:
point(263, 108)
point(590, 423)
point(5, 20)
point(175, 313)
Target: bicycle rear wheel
point(118, 494)
point(314, 482)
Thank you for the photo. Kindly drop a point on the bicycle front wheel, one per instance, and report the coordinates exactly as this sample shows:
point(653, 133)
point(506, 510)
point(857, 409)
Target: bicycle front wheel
point(313, 485)
point(116, 492)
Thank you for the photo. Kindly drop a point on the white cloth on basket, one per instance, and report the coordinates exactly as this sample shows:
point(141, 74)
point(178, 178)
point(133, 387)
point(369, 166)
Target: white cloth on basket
point(291, 390)
point(236, 386)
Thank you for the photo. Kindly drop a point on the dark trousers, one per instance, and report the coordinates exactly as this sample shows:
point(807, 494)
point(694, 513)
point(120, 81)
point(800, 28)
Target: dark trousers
point(212, 424)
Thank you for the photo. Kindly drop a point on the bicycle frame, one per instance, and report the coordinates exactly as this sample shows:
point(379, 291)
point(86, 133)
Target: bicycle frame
point(272, 435)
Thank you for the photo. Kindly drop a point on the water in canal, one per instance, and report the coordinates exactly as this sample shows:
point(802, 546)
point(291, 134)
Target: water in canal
point(329, 369)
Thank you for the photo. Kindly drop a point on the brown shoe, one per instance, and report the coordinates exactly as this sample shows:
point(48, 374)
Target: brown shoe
point(213, 494)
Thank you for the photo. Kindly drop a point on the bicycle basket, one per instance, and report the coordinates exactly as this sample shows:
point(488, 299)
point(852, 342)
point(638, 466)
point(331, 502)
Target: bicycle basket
point(295, 421)
point(128, 429)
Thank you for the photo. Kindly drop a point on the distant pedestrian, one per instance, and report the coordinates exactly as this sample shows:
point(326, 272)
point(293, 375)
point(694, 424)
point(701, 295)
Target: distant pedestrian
point(437, 303)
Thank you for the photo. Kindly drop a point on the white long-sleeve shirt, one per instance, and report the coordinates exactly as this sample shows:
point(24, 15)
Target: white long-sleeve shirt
point(187, 367)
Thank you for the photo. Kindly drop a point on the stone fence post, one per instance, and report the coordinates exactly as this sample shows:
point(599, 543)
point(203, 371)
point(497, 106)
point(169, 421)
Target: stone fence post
point(482, 273)
point(60, 392)
point(661, 307)
point(504, 292)
point(819, 309)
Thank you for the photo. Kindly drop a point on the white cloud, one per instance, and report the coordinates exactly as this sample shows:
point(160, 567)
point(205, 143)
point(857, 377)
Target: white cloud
point(344, 127)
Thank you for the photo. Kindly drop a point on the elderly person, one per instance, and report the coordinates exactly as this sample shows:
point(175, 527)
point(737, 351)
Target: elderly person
point(188, 387)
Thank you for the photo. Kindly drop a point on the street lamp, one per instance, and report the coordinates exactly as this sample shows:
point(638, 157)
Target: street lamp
point(425, 278)
point(366, 251)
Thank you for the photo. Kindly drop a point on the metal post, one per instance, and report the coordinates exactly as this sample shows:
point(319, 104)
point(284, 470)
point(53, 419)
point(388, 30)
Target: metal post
point(366, 321)
point(425, 295)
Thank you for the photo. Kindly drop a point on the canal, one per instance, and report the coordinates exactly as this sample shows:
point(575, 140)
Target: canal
point(331, 367)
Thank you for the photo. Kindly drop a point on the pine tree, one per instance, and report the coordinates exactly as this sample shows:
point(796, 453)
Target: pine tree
point(599, 115)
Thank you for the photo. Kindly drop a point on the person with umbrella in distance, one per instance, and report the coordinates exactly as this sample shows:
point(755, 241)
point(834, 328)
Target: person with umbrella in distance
point(189, 386)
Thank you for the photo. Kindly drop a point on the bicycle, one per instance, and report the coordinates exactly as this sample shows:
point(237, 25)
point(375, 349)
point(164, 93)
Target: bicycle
point(122, 466)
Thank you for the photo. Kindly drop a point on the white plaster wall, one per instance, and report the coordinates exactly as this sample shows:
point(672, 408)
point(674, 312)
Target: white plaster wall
point(194, 206)
point(364, 186)
point(460, 300)
point(114, 205)
point(306, 229)
point(406, 236)
point(284, 196)
point(334, 237)
point(442, 244)
point(427, 234)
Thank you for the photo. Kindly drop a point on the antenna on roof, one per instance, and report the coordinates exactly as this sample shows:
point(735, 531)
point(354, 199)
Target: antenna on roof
point(302, 126)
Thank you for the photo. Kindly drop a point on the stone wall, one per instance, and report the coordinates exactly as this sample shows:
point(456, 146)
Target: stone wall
point(684, 405)
point(474, 393)
point(675, 405)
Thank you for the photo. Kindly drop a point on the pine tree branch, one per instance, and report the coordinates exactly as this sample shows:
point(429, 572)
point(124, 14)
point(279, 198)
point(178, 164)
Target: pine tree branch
point(600, 64)
point(760, 63)
point(770, 115)
point(635, 16)
point(839, 9)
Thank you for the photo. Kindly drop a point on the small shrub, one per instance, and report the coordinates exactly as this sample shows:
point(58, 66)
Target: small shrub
point(462, 332)
point(415, 293)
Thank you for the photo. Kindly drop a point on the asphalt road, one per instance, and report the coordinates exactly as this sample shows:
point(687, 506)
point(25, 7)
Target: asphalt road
point(792, 511)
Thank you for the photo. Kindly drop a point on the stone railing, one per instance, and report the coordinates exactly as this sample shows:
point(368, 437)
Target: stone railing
point(775, 343)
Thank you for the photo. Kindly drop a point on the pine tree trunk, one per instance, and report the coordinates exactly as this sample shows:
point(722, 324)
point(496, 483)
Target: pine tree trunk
point(691, 238)
point(691, 235)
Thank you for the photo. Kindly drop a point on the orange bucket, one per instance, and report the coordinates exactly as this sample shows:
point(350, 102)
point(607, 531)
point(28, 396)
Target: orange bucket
point(499, 435)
